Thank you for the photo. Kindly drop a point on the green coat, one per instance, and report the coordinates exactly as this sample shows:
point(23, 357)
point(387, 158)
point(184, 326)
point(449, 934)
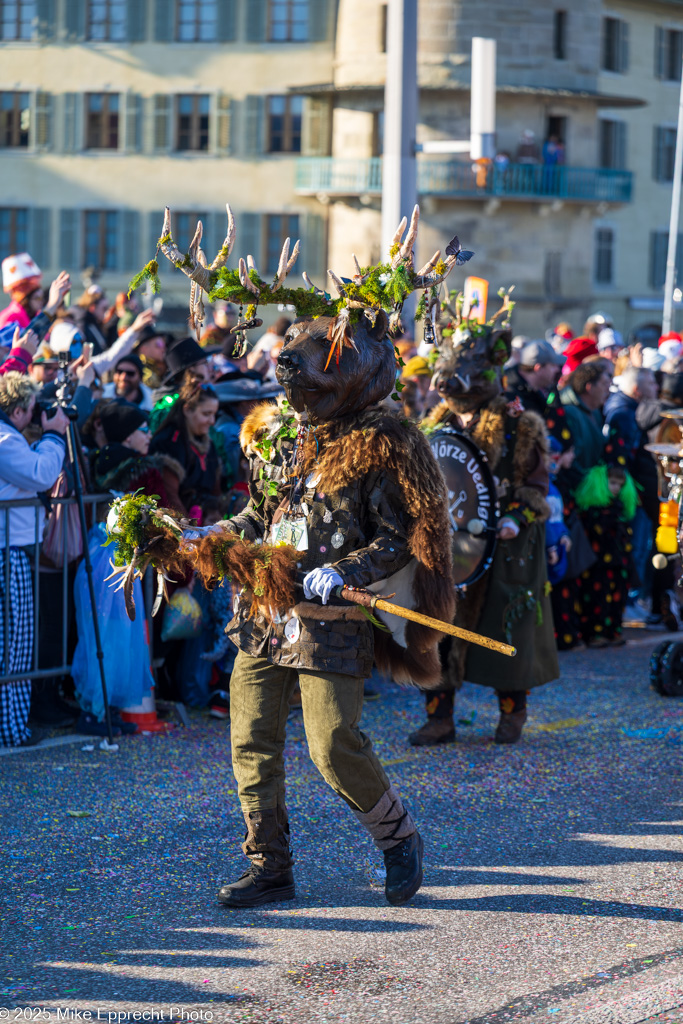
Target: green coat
point(517, 611)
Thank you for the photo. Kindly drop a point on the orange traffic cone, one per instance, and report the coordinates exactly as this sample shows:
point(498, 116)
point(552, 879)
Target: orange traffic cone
point(145, 716)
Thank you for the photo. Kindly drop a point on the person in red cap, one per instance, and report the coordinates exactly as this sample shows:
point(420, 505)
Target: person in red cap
point(577, 351)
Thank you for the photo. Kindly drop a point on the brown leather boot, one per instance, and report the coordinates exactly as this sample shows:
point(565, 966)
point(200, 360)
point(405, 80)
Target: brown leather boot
point(433, 732)
point(269, 878)
point(510, 726)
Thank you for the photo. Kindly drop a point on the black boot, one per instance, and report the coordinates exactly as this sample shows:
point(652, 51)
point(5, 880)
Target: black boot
point(512, 716)
point(269, 878)
point(404, 869)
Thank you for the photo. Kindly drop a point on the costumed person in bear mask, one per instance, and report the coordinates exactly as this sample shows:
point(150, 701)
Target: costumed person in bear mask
point(358, 498)
point(510, 600)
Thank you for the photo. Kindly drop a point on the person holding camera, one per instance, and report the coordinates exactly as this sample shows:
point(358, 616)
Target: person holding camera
point(24, 471)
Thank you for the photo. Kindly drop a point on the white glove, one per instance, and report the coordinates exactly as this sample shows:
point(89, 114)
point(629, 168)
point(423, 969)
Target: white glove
point(320, 583)
point(195, 532)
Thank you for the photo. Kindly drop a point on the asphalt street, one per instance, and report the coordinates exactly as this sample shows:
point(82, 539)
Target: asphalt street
point(552, 893)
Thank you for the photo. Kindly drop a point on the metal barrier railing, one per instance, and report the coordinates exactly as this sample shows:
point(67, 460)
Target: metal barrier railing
point(66, 569)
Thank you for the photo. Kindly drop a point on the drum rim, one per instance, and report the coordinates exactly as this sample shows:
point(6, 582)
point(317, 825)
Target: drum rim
point(470, 443)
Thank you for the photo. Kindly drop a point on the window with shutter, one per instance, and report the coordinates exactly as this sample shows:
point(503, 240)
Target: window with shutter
point(612, 144)
point(560, 35)
point(19, 20)
point(196, 21)
point(15, 120)
point(14, 230)
point(659, 246)
point(668, 54)
point(288, 20)
point(604, 256)
point(664, 153)
point(284, 124)
point(278, 227)
point(192, 122)
point(102, 120)
point(107, 20)
point(615, 45)
point(101, 239)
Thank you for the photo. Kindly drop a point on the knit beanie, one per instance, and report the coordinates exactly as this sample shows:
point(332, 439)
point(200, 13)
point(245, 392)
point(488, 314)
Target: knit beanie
point(120, 420)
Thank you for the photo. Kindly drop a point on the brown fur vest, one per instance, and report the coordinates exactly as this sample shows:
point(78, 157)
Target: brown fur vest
point(344, 450)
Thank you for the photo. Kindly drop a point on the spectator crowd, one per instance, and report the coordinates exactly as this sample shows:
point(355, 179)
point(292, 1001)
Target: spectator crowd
point(95, 391)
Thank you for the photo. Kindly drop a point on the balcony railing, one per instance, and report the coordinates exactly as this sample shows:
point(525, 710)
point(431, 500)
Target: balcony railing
point(332, 176)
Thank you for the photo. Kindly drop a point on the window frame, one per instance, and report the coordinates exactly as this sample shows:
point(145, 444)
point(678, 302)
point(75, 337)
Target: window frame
point(287, 230)
point(14, 243)
point(107, 37)
point(102, 243)
point(289, 20)
point(16, 130)
point(288, 132)
point(195, 130)
point(105, 117)
point(614, 163)
point(600, 248)
point(560, 20)
point(660, 167)
point(19, 21)
point(614, 57)
point(198, 22)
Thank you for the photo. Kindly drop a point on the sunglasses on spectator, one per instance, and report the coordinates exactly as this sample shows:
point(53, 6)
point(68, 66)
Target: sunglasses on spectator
point(144, 429)
point(126, 373)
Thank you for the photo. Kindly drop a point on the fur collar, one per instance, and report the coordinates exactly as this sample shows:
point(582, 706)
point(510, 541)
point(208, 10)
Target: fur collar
point(375, 440)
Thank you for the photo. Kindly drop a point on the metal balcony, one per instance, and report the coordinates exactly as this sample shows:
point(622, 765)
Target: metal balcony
point(456, 178)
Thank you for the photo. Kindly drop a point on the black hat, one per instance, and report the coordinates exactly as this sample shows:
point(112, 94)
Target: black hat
point(133, 359)
point(182, 356)
point(120, 420)
point(148, 332)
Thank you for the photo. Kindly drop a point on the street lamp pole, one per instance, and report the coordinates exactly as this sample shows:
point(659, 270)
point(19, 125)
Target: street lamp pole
point(399, 175)
point(673, 220)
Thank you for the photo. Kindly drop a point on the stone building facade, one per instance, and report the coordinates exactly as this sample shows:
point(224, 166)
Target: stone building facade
point(110, 109)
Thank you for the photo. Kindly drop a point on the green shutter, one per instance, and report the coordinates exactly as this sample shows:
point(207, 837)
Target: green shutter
point(164, 21)
point(320, 19)
point(252, 125)
point(155, 222)
point(42, 125)
point(623, 46)
point(40, 236)
point(72, 122)
point(249, 237)
point(75, 20)
point(313, 247)
point(47, 24)
point(660, 36)
point(162, 108)
point(256, 15)
point(129, 240)
point(136, 16)
point(69, 255)
point(315, 128)
point(226, 31)
point(220, 127)
point(130, 133)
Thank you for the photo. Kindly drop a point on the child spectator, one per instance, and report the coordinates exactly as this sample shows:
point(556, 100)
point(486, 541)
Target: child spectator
point(557, 539)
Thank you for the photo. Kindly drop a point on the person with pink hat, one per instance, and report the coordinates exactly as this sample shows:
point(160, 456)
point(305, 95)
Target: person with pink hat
point(21, 280)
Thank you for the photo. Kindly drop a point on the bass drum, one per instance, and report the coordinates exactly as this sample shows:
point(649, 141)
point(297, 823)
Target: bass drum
point(473, 507)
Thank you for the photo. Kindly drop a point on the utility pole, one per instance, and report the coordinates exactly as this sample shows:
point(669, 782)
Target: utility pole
point(399, 174)
point(673, 220)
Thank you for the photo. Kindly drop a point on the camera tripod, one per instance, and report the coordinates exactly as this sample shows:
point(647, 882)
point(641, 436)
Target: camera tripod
point(77, 464)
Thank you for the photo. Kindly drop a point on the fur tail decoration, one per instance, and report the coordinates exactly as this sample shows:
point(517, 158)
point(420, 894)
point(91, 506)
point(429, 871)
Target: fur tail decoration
point(149, 536)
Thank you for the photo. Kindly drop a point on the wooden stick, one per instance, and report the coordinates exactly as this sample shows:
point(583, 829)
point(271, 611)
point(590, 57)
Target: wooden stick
point(368, 600)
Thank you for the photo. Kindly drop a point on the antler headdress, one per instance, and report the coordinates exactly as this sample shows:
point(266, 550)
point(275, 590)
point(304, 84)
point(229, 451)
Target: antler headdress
point(370, 289)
